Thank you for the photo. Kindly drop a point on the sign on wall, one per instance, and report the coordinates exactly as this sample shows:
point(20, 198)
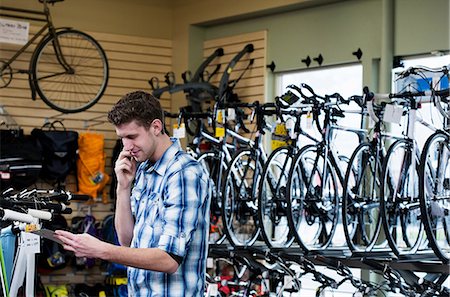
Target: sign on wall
point(15, 32)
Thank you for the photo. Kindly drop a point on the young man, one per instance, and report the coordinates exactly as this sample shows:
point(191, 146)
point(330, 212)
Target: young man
point(162, 207)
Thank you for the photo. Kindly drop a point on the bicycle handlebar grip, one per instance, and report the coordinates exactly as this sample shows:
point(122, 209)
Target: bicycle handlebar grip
point(79, 197)
point(60, 197)
point(40, 214)
point(11, 215)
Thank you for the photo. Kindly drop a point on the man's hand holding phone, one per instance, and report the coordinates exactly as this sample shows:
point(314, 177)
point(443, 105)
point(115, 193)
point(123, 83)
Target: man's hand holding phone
point(125, 169)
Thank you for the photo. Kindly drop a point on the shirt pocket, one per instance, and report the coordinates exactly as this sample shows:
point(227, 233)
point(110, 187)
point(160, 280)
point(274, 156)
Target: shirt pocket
point(152, 212)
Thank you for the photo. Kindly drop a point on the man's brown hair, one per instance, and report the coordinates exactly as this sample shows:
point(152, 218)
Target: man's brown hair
point(140, 106)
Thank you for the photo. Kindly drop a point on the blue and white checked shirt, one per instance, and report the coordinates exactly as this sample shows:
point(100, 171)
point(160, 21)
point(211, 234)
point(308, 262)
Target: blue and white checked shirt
point(170, 201)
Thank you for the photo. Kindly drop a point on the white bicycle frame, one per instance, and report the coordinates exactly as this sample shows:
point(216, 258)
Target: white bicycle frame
point(29, 245)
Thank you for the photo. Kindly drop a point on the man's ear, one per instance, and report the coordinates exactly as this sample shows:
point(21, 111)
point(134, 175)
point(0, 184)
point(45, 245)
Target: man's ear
point(158, 126)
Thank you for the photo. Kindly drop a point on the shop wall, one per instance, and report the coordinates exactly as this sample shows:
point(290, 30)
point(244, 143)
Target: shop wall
point(146, 18)
point(337, 29)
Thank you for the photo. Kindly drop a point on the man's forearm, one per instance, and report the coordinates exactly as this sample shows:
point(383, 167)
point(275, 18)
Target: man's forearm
point(145, 258)
point(123, 220)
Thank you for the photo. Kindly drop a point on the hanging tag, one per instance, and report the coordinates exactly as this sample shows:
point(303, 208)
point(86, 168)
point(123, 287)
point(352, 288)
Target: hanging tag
point(392, 113)
point(31, 243)
point(179, 131)
point(209, 262)
point(220, 132)
point(309, 120)
point(220, 117)
point(277, 143)
point(280, 129)
point(231, 114)
point(290, 127)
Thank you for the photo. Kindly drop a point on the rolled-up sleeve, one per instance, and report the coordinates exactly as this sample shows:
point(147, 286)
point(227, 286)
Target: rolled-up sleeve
point(183, 199)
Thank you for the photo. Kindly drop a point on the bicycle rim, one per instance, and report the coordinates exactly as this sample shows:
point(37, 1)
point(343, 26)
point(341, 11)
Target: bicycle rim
point(434, 192)
point(211, 162)
point(361, 213)
point(400, 203)
point(312, 200)
point(239, 201)
point(272, 203)
point(81, 87)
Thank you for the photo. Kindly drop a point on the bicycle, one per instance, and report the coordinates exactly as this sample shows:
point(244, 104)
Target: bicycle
point(272, 204)
point(240, 188)
point(312, 189)
point(434, 176)
point(362, 214)
point(402, 215)
point(68, 68)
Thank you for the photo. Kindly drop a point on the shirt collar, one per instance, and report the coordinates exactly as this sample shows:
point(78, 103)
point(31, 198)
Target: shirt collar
point(161, 165)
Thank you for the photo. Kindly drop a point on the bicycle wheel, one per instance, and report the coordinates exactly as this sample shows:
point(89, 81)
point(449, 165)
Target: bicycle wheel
point(240, 198)
point(312, 199)
point(361, 199)
point(434, 191)
point(74, 80)
point(400, 206)
point(272, 199)
point(213, 164)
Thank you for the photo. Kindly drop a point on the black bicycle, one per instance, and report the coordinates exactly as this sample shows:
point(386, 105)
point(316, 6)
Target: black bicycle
point(68, 68)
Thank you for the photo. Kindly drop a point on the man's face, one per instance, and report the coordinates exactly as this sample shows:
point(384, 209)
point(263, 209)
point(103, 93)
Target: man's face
point(138, 140)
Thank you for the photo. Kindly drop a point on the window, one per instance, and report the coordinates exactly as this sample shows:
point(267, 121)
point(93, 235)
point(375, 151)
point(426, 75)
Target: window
point(345, 80)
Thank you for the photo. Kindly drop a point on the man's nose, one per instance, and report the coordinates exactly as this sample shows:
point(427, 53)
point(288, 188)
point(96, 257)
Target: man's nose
point(127, 144)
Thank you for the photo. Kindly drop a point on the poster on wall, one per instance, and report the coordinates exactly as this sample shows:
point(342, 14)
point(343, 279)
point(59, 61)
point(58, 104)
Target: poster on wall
point(14, 32)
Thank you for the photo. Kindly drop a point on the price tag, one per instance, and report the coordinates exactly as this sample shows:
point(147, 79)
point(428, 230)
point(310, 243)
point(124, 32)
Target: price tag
point(280, 129)
point(392, 114)
point(231, 114)
point(179, 131)
point(209, 262)
point(220, 117)
point(31, 243)
point(309, 120)
point(278, 143)
point(213, 290)
point(220, 132)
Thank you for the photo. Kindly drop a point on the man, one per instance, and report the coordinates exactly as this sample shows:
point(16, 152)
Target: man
point(162, 206)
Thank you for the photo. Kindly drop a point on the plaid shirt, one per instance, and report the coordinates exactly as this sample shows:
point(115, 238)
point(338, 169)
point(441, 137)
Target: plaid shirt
point(170, 202)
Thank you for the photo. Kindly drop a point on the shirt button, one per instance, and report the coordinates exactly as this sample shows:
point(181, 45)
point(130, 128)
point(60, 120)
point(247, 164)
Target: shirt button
point(182, 235)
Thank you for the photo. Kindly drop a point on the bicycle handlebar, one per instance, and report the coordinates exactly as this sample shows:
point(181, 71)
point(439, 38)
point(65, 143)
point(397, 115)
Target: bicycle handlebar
point(11, 215)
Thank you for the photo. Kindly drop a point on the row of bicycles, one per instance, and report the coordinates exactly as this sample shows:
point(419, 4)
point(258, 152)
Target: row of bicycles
point(388, 194)
point(305, 202)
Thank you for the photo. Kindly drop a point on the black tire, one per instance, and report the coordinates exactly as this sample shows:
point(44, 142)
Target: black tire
point(400, 208)
point(434, 193)
point(211, 161)
point(312, 204)
point(272, 203)
point(240, 199)
point(360, 211)
point(63, 90)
